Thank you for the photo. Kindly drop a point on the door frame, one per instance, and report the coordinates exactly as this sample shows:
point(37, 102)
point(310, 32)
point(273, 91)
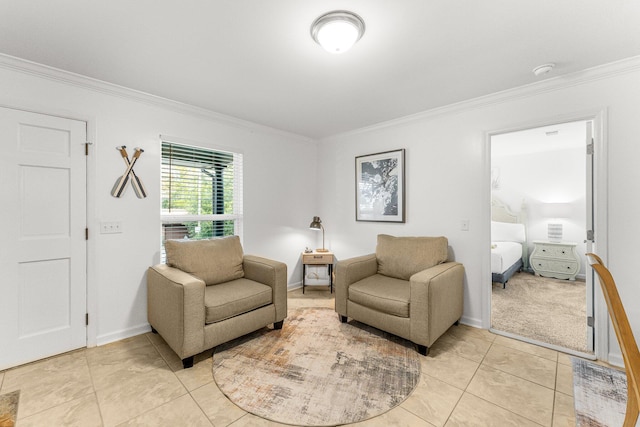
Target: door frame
point(600, 221)
point(92, 221)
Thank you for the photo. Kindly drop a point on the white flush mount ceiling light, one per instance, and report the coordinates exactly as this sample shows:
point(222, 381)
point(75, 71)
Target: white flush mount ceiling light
point(337, 31)
point(543, 69)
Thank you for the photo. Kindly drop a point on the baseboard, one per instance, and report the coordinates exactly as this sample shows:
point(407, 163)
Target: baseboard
point(470, 321)
point(123, 334)
point(615, 359)
point(293, 286)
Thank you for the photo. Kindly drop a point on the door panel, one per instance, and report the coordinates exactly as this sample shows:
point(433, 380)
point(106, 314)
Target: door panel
point(589, 295)
point(44, 304)
point(43, 249)
point(36, 183)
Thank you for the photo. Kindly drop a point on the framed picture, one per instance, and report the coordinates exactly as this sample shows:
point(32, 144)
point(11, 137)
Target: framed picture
point(380, 187)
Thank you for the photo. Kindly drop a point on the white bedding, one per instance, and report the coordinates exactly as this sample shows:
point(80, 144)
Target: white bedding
point(504, 255)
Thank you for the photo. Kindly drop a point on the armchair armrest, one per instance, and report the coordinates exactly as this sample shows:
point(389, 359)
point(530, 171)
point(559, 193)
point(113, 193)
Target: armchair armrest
point(175, 308)
point(349, 271)
point(271, 273)
point(436, 301)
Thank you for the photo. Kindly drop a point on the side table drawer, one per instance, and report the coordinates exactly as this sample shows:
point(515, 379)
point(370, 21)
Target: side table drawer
point(317, 259)
point(563, 267)
point(556, 252)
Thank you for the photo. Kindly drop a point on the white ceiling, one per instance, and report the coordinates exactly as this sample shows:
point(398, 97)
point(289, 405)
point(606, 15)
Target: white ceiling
point(562, 136)
point(255, 60)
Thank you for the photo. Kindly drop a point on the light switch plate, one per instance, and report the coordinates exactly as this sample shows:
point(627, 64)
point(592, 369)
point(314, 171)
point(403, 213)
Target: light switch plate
point(111, 227)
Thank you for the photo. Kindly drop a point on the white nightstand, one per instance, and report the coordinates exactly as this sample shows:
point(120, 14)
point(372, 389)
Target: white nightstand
point(559, 260)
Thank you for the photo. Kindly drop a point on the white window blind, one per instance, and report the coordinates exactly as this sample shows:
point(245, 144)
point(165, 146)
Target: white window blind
point(201, 192)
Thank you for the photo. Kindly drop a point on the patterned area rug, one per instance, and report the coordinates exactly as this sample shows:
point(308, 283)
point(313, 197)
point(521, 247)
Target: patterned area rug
point(9, 408)
point(543, 309)
point(317, 371)
point(600, 394)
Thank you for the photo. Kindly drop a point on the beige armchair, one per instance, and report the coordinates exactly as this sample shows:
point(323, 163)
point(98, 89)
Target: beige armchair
point(209, 293)
point(407, 288)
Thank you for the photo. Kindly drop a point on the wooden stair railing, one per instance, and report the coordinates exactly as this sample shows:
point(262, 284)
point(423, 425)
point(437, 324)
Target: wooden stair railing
point(624, 333)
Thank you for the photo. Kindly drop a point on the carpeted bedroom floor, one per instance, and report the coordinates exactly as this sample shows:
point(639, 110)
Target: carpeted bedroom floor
point(543, 309)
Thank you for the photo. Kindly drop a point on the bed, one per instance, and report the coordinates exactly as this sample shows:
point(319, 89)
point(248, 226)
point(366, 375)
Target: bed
point(508, 242)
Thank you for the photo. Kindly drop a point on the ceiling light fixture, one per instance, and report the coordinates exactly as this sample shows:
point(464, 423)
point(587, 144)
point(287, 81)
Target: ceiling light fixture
point(543, 69)
point(337, 31)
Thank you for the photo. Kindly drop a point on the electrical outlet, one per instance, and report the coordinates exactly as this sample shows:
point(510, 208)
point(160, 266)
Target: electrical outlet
point(464, 224)
point(111, 227)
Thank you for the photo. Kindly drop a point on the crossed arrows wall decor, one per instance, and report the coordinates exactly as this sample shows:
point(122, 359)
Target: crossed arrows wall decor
point(129, 175)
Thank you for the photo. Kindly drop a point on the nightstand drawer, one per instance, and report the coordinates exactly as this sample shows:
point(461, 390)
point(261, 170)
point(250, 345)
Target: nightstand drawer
point(317, 259)
point(555, 259)
point(559, 252)
point(563, 267)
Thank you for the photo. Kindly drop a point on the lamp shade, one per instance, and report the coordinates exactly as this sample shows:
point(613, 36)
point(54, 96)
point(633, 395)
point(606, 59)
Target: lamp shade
point(316, 224)
point(555, 212)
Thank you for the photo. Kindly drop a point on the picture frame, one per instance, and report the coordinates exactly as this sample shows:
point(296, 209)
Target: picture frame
point(380, 187)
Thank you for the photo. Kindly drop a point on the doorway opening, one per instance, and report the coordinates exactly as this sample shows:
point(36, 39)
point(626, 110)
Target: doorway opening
point(542, 208)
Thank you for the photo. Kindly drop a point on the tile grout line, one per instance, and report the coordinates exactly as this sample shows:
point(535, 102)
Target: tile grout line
point(93, 385)
point(493, 403)
point(190, 392)
point(475, 372)
point(526, 379)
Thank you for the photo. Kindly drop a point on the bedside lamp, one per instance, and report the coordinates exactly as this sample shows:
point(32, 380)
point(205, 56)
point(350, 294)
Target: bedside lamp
point(316, 224)
point(555, 212)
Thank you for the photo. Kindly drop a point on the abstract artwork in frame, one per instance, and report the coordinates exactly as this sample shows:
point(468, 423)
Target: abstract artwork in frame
point(380, 187)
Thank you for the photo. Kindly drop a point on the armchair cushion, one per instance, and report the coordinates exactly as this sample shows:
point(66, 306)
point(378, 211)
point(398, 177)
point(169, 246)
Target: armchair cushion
point(213, 261)
point(402, 257)
point(230, 299)
point(384, 294)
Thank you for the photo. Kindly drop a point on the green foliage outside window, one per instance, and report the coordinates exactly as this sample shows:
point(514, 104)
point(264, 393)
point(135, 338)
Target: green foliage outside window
point(197, 182)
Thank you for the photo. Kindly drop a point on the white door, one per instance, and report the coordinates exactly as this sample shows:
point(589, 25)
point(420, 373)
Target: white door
point(589, 237)
point(42, 245)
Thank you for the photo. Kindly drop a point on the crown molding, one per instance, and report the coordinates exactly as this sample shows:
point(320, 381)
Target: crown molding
point(588, 75)
point(66, 77)
point(605, 71)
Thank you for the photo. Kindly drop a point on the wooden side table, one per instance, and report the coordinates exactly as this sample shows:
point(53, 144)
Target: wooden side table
point(317, 258)
point(559, 260)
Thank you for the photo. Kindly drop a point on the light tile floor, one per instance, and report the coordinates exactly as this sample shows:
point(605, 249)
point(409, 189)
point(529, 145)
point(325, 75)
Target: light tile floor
point(470, 378)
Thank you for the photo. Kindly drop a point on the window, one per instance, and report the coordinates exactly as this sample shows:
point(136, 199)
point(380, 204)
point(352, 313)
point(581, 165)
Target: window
point(201, 192)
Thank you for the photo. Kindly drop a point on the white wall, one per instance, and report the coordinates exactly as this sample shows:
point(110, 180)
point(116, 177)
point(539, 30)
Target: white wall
point(447, 180)
point(278, 203)
point(448, 176)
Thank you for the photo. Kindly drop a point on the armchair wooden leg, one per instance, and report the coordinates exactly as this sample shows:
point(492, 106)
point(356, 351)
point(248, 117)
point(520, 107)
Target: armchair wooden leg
point(423, 350)
point(187, 363)
point(154, 330)
point(343, 319)
point(278, 325)
point(457, 322)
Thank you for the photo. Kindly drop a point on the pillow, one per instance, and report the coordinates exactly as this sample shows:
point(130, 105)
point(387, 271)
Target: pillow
point(507, 232)
point(402, 257)
point(213, 261)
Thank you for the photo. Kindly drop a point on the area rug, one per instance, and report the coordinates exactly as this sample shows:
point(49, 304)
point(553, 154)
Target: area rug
point(9, 408)
point(544, 309)
point(317, 371)
point(599, 394)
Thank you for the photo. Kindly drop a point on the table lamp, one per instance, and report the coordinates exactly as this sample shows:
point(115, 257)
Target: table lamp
point(555, 212)
point(316, 224)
